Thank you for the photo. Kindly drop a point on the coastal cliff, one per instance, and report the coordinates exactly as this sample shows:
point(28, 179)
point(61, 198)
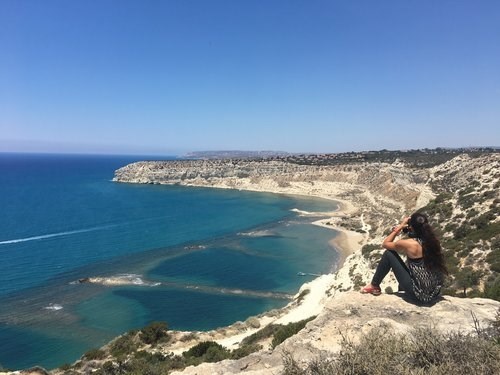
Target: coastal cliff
point(462, 196)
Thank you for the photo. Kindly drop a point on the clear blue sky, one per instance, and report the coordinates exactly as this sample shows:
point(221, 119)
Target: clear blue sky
point(301, 76)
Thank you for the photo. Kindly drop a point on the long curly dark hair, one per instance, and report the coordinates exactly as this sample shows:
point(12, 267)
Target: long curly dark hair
point(433, 254)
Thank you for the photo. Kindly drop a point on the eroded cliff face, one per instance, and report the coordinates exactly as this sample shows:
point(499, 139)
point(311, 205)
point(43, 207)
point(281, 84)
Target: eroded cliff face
point(393, 180)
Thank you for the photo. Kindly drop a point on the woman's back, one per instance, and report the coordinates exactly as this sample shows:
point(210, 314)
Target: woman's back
point(427, 282)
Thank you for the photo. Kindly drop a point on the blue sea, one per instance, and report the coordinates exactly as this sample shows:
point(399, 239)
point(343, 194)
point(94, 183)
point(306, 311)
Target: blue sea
point(196, 258)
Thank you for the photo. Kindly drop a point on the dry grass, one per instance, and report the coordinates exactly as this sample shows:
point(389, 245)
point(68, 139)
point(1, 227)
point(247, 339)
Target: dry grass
point(424, 351)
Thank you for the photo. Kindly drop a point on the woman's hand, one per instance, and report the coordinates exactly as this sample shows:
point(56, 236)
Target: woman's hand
point(405, 222)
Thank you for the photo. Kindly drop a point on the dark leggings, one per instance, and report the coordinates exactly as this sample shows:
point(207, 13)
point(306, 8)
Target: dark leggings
point(391, 260)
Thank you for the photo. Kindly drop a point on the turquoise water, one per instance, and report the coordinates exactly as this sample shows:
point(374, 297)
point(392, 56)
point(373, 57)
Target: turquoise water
point(207, 257)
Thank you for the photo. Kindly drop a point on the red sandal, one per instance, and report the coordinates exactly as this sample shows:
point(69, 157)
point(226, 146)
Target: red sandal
point(370, 289)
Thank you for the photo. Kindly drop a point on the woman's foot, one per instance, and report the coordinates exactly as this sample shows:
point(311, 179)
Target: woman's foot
point(370, 289)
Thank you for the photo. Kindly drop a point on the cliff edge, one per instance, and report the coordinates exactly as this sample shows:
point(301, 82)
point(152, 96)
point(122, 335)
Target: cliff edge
point(351, 314)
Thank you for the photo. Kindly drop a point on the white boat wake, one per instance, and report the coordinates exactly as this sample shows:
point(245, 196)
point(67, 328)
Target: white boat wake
point(59, 234)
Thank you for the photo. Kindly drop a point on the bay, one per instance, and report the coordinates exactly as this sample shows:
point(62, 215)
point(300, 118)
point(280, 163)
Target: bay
point(203, 258)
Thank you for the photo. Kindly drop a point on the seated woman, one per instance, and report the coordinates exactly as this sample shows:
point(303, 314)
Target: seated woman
point(423, 274)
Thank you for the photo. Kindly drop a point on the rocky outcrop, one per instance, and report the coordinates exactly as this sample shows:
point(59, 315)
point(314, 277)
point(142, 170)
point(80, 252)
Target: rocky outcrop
point(349, 314)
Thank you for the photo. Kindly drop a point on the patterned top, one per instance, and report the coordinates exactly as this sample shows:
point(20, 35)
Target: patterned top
point(426, 283)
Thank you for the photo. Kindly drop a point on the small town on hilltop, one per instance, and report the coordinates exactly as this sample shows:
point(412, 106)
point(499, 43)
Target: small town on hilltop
point(419, 157)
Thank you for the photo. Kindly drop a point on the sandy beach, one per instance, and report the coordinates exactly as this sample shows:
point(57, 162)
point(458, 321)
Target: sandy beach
point(346, 243)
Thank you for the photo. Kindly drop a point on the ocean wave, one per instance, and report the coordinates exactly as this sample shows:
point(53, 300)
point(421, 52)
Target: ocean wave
point(313, 213)
point(195, 247)
point(123, 279)
point(59, 234)
point(258, 233)
point(53, 307)
point(303, 213)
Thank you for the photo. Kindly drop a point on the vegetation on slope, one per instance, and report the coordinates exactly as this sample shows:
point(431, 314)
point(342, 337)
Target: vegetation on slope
point(142, 352)
point(422, 158)
point(424, 351)
point(467, 221)
point(465, 215)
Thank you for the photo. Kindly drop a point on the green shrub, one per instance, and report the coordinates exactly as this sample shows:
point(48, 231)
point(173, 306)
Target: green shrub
point(495, 243)
point(200, 349)
point(466, 201)
point(451, 227)
point(487, 233)
point(207, 351)
point(442, 198)
point(109, 367)
point(245, 350)
point(492, 289)
point(451, 245)
point(436, 208)
point(144, 362)
point(302, 295)
point(94, 354)
point(284, 332)
point(124, 345)
point(495, 267)
point(467, 278)
point(154, 333)
point(368, 248)
point(451, 262)
point(472, 213)
point(462, 231)
point(260, 335)
point(482, 221)
point(216, 353)
point(489, 194)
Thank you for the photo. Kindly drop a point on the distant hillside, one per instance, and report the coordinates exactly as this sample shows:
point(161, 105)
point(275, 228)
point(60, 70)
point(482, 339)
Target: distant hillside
point(233, 154)
point(418, 157)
